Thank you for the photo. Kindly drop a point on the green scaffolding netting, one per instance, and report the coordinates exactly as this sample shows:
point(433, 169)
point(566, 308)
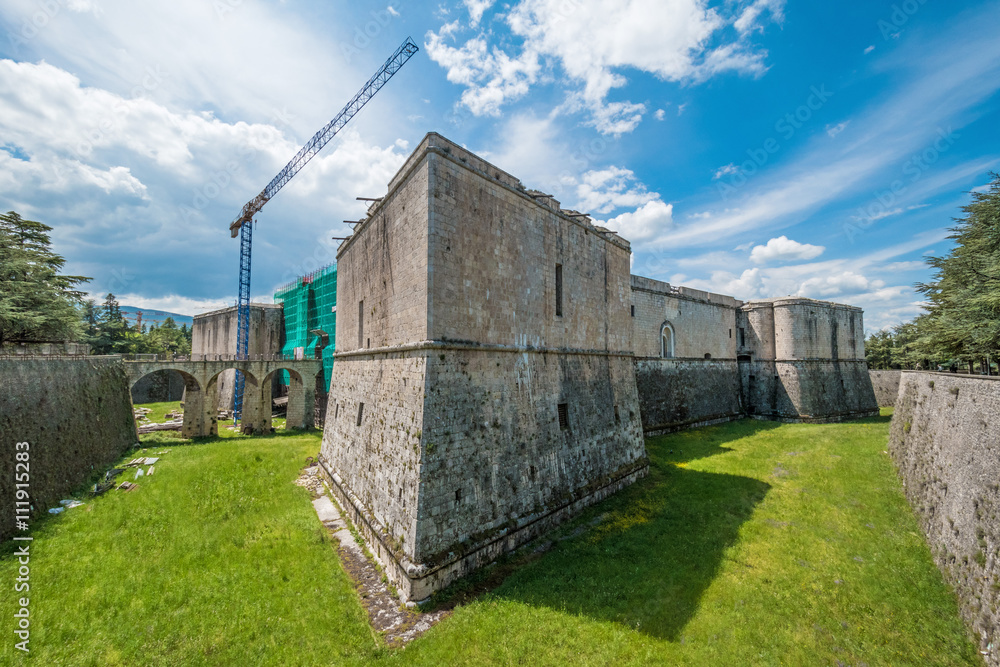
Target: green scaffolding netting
point(310, 311)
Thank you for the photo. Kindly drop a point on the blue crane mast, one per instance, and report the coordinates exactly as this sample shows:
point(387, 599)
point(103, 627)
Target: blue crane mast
point(243, 226)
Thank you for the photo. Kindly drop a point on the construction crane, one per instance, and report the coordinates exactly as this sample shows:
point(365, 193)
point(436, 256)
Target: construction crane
point(243, 226)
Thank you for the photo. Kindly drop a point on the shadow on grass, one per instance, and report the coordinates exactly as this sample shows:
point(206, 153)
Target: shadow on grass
point(654, 547)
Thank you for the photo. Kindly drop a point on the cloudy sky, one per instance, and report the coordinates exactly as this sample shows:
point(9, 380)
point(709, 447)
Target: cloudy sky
point(750, 147)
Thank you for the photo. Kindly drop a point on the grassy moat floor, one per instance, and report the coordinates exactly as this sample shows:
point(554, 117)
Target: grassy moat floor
point(751, 543)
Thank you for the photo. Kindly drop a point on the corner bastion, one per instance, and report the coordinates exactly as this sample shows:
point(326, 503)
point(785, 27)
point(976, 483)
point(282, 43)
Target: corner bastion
point(484, 388)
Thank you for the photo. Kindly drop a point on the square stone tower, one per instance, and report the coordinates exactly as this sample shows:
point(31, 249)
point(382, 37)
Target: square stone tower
point(483, 388)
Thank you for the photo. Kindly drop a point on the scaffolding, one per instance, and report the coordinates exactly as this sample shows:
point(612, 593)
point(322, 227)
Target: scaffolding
point(310, 311)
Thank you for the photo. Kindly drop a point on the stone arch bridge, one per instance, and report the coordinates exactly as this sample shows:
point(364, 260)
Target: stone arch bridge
point(201, 389)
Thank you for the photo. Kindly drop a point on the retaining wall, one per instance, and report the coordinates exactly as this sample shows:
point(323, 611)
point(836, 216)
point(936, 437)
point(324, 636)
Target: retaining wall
point(681, 393)
point(946, 445)
point(158, 387)
point(886, 385)
point(76, 415)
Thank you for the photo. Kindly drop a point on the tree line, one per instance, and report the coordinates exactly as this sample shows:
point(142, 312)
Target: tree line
point(961, 328)
point(39, 305)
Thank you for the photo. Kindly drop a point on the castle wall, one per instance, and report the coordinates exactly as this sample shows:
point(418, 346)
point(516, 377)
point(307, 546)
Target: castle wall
point(75, 415)
point(703, 323)
point(682, 393)
point(947, 452)
point(498, 407)
point(886, 385)
point(214, 333)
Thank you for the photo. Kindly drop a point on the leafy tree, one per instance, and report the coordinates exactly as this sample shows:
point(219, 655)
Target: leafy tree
point(37, 302)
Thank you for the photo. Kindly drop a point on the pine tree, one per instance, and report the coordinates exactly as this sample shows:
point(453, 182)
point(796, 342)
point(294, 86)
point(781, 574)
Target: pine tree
point(37, 303)
point(964, 297)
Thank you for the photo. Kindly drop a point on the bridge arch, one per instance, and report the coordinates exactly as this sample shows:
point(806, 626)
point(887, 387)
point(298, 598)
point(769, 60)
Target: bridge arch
point(301, 397)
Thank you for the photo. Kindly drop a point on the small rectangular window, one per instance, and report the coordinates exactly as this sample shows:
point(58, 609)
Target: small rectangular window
point(458, 495)
point(361, 412)
point(559, 290)
point(564, 416)
point(617, 417)
point(743, 337)
point(361, 323)
point(730, 333)
point(633, 311)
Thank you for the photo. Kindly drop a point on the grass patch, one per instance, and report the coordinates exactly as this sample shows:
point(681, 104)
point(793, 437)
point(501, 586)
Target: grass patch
point(158, 411)
point(749, 543)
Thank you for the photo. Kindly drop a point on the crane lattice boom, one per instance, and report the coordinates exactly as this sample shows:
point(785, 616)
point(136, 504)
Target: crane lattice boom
point(242, 224)
point(321, 138)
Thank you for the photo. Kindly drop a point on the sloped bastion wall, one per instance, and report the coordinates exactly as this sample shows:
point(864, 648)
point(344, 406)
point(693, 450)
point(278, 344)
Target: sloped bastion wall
point(886, 386)
point(75, 415)
point(946, 445)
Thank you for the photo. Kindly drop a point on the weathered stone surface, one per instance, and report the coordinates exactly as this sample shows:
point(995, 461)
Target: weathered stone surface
point(682, 393)
point(886, 386)
point(214, 333)
point(76, 416)
point(946, 445)
point(201, 380)
point(158, 387)
point(451, 334)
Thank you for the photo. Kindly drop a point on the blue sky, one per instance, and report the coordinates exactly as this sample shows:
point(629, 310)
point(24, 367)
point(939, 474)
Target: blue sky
point(755, 148)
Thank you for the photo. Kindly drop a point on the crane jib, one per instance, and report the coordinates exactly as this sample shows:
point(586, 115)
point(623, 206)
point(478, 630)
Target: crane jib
point(241, 225)
point(321, 138)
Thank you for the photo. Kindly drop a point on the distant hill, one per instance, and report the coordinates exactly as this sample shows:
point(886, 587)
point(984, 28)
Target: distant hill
point(150, 316)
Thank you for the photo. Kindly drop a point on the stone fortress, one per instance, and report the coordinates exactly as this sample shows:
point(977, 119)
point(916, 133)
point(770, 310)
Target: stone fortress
point(497, 366)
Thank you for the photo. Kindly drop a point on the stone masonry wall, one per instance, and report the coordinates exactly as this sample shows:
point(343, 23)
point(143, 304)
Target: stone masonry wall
point(75, 414)
point(493, 257)
point(158, 387)
point(702, 326)
point(494, 452)
point(680, 393)
point(382, 463)
point(886, 385)
point(825, 390)
point(214, 333)
point(462, 361)
point(945, 443)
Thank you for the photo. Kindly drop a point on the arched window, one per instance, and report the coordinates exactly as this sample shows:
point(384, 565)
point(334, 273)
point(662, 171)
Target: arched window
point(667, 341)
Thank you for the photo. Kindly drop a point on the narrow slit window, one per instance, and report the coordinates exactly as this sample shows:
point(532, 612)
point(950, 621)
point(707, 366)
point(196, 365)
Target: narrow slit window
point(564, 416)
point(559, 290)
point(633, 311)
point(361, 323)
point(617, 416)
point(361, 412)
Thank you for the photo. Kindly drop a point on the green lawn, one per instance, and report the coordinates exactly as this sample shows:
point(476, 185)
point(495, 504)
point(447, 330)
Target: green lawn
point(158, 413)
point(749, 543)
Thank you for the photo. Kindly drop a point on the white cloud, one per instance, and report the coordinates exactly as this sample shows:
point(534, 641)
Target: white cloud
point(648, 221)
point(592, 40)
point(476, 9)
point(126, 182)
point(847, 282)
point(834, 130)
point(725, 171)
point(491, 77)
point(869, 49)
point(660, 114)
point(783, 248)
point(603, 191)
point(749, 19)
